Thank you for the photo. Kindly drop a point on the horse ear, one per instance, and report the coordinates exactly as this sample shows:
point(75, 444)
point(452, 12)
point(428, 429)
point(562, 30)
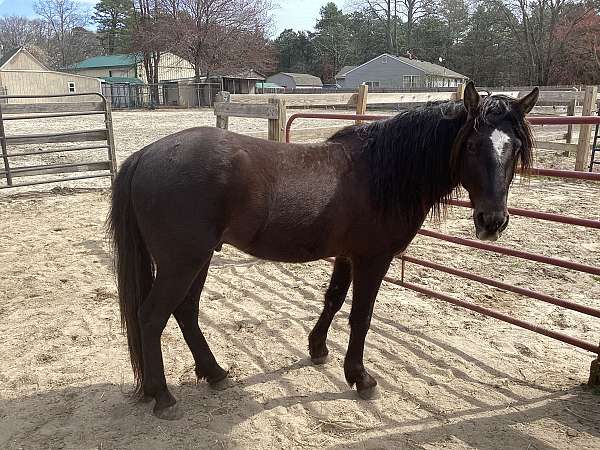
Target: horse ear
point(471, 98)
point(527, 103)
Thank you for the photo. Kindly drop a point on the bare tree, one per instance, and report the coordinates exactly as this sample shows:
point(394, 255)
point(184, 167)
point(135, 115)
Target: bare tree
point(536, 24)
point(150, 37)
point(413, 11)
point(220, 34)
point(386, 12)
point(391, 12)
point(16, 31)
point(61, 17)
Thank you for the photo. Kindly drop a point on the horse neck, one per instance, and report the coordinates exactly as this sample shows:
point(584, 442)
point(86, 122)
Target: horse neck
point(414, 161)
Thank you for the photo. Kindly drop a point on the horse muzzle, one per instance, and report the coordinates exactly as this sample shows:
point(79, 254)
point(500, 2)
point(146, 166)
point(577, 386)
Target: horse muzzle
point(490, 225)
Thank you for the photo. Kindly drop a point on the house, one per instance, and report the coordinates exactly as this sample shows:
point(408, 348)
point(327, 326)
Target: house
point(296, 80)
point(170, 67)
point(341, 75)
point(389, 71)
point(21, 73)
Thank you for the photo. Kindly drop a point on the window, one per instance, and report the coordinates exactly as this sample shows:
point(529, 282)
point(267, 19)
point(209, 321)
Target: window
point(410, 81)
point(71, 87)
point(372, 84)
point(384, 59)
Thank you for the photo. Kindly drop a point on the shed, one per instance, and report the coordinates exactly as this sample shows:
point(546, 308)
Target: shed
point(389, 71)
point(21, 73)
point(237, 81)
point(268, 88)
point(296, 80)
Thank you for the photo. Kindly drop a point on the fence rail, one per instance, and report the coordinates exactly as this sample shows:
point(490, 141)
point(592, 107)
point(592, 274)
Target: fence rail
point(13, 112)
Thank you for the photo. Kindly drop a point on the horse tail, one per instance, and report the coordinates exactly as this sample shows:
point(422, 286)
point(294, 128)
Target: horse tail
point(133, 264)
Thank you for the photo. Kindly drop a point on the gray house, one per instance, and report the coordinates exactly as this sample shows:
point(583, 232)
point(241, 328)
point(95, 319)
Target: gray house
point(389, 71)
point(296, 80)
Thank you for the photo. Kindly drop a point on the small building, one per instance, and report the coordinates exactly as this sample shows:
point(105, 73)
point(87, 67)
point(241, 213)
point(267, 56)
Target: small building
point(296, 80)
point(21, 73)
point(237, 81)
point(389, 71)
point(170, 67)
point(268, 88)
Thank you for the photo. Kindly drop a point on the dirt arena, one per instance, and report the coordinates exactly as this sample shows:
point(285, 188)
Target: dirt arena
point(448, 377)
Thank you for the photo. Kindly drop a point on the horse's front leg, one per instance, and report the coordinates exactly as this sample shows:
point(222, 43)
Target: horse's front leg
point(334, 299)
point(367, 276)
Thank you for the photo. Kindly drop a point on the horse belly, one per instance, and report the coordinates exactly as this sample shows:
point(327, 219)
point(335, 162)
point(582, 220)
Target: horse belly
point(289, 242)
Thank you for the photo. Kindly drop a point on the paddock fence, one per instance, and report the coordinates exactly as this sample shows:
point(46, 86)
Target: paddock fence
point(90, 151)
point(562, 264)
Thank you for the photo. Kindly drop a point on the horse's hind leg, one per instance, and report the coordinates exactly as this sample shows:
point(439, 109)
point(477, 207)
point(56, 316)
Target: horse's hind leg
point(168, 292)
point(187, 317)
point(334, 299)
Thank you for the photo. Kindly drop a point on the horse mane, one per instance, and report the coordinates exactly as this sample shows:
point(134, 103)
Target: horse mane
point(408, 157)
point(414, 157)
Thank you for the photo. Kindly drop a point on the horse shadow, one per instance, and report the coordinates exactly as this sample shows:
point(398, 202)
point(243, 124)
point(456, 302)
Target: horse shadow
point(102, 416)
point(253, 409)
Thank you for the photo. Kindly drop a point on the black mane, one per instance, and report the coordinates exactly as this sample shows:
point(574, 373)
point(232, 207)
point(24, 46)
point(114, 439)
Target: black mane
point(413, 157)
point(409, 157)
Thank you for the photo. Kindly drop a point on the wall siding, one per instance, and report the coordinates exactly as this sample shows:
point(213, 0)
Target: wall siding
point(171, 67)
point(103, 72)
point(44, 83)
point(389, 75)
point(23, 61)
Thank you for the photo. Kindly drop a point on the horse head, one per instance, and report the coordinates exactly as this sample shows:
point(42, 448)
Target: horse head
point(495, 139)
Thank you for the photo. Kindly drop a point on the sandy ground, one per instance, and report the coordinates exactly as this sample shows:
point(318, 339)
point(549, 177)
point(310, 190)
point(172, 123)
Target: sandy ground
point(449, 378)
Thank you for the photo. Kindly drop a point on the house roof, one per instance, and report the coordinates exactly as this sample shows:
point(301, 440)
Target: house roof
point(106, 61)
point(343, 71)
point(431, 68)
point(425, 66)
point(304, 79)
point(8, 55)
point(245, 74)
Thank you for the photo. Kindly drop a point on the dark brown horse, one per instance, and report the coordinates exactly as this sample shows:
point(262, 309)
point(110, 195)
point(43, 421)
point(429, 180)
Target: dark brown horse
point(360, 197)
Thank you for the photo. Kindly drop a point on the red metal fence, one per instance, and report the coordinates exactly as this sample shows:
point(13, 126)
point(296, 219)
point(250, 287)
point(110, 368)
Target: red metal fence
point(593, 347)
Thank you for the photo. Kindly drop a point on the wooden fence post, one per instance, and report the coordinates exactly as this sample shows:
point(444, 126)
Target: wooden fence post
point(570, 112)
point(277, 126)
point(460, 91)
point(222, 97)
point(361, 101)
point(585, 131)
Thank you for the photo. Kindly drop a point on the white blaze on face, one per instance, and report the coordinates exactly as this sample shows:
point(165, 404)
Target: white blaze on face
point(499, 140)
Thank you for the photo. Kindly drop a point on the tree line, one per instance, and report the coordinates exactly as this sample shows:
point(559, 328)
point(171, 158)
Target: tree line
point(213, 35)
point(494, 42)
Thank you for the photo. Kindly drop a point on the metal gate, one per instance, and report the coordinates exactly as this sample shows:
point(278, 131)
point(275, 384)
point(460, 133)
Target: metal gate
point(97, 141)
point(592, 347)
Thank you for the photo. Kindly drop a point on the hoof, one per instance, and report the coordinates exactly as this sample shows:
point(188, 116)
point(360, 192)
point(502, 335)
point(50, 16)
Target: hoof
point(169, 413)
point(320, 360)
point(221, 381)
point(370, 393)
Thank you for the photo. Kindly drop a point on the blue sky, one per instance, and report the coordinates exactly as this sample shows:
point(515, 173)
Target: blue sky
point(296, 14)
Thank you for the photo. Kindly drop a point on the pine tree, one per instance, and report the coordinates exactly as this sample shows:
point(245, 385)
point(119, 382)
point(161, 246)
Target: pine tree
point(113, 19)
